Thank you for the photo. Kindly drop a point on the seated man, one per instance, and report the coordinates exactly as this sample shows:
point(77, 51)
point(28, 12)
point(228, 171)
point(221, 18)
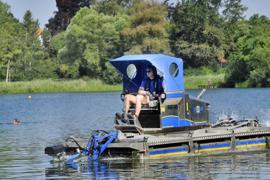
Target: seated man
point(150, 87)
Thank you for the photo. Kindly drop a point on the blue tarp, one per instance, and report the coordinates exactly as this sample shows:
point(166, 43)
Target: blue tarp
point(165, 65)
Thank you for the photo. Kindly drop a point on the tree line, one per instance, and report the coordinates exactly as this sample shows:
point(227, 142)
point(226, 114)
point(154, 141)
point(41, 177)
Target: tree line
point(84, 35)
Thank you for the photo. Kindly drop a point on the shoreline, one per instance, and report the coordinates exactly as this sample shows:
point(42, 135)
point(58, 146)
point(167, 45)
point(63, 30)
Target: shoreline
point(92, 85)
point(56, 86)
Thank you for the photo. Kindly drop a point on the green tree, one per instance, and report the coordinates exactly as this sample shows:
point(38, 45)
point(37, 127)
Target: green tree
point(22, 56)
point(148, 30)
point(32, 49)
point(66, 11)
point(251, 61)
point(233, 15)
point(196, 34)
point(113, 7)
point(11, 45)
point(90, 41)
point(46, 38)
point(233, 11)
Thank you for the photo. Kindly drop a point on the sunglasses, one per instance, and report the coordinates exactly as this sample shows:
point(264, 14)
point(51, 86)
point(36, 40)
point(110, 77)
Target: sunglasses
point(148, 71)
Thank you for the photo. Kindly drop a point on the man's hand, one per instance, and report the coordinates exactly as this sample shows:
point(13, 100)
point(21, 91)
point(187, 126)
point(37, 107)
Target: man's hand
point(148, 93)
point(151, 97)
point(142, 92)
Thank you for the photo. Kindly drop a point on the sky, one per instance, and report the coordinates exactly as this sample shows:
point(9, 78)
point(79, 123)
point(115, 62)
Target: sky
point(44, 9)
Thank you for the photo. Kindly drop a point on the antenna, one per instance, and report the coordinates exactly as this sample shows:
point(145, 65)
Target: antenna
point(201, 93)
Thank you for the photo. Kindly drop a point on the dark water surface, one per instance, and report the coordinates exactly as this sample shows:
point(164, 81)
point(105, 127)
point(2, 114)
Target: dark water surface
point(50, 118)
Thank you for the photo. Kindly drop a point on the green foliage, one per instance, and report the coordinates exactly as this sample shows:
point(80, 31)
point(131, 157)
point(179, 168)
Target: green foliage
point(197, 82)
point(22, 56)
point(67, 72)
point(196, 34)
point(113, 7)
point(199, 71)
point(207, 34)
point(251, 61)
point(11, 46)
point(46, 39)
point(147, 32)
point(90, 41)
point(110, 76)
point(66, 11)
point(57, 42)
point(233, 11)
point(233, 15)
point(49, 85)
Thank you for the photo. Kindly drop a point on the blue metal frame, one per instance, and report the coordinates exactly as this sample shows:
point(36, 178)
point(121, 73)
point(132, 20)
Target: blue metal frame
point(173, 86)
point(160, 61)
point(225, 146)
point(174, 121)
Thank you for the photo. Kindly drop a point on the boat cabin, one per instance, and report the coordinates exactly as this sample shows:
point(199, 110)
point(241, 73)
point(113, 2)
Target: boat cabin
point(174, 108)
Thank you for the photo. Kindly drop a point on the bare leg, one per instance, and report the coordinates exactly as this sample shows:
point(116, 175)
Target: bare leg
point(140, 99)
point(129, 99)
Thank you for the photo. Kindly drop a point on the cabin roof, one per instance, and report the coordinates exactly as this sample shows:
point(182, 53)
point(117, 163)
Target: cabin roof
point(169, 67)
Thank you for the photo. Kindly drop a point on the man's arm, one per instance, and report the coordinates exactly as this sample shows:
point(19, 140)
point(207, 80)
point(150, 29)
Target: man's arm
point(143, 92)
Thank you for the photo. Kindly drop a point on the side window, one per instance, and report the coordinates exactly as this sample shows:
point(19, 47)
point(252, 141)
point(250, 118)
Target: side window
point(174, 70)
point(182, 109)
point(131, 71)
point(171, 110)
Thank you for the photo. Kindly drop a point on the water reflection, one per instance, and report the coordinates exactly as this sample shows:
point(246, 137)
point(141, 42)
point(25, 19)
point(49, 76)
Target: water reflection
point(234, 166)
point(90, 170)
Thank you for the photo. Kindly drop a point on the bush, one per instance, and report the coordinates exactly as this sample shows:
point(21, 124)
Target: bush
point(65, 71)
point(236, 72)
point(198, 71)
point(110, 75)
point(259, 78)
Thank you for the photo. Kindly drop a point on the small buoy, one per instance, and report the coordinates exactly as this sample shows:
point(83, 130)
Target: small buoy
point(29, 97)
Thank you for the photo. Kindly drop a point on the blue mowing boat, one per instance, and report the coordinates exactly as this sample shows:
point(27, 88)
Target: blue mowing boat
point(173, 124)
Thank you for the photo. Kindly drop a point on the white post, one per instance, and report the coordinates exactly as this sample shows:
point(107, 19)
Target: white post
point(8, 67)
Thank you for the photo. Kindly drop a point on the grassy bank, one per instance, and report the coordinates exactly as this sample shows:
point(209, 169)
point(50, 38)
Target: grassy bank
point(45, 86)
point(203, 81)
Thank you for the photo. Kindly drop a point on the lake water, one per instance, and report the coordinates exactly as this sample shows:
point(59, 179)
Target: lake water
point(50, 118)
